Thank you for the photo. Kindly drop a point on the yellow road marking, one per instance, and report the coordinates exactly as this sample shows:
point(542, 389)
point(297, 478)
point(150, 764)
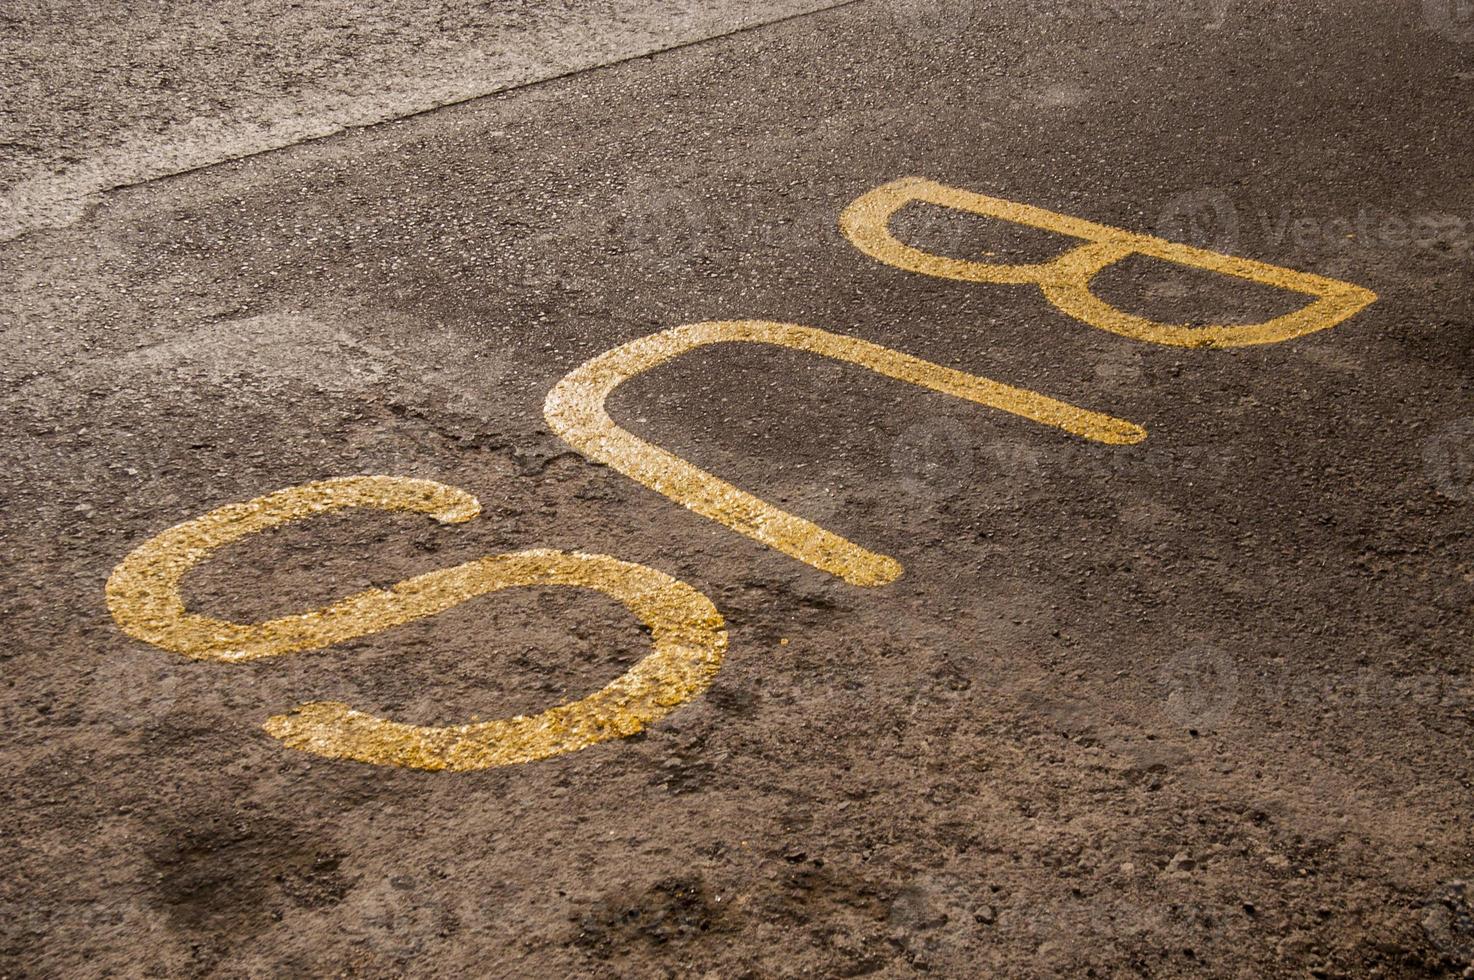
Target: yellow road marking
point(1066, 279)
point(687, 631)
point(575, 411)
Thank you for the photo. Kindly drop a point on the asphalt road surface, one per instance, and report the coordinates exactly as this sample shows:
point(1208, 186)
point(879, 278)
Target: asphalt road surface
point(1181, 689)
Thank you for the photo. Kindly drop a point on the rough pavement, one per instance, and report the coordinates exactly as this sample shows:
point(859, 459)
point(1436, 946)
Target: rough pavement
point(103, 96)
point(1197, 706)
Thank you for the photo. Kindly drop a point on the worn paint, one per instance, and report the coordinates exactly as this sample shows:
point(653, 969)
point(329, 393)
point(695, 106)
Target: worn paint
point(575, 409)
point(687, 632)
point(1066, 280)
